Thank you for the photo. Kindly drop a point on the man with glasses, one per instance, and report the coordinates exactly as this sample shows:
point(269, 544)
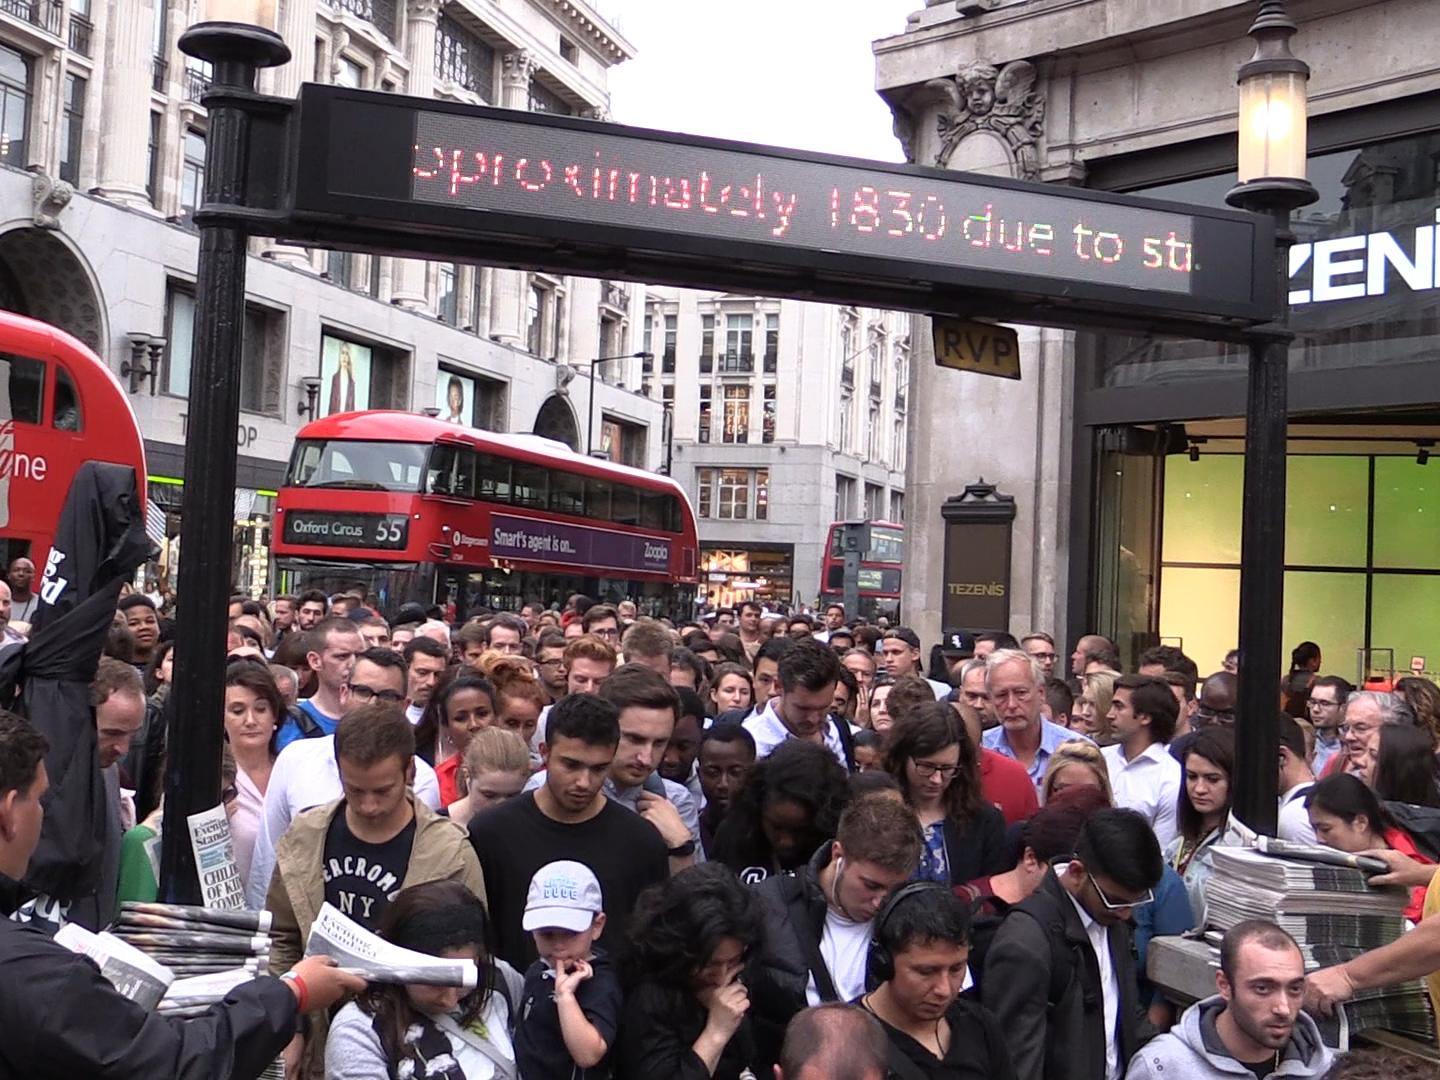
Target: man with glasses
point(1366, 712)
point(1060, 971)
point(550, 664)
point(1215, 706)
point(1326, 711)
point(603, 621)
point(1016, 688)
point(307, 774)
point(1040, 647)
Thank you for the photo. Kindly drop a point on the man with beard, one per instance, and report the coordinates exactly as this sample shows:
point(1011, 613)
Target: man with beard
point(1252, 1026)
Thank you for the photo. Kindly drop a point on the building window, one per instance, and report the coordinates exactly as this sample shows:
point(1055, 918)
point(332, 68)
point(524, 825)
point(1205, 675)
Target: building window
point(667, 394)
point(704, 434)
point(768, 431)
point(772, 342)
point(447, 294)
point(192, 178)
point(846, 408)
point(647, 362)
point(873, 434)
point(545, 100)
point(340, 267)
point(14, 104)
point(667, 361)
point(737, 414)
point(349, 73)
point(610, 344)
point(262, 361)
point(705, 480)
point(179, 336)
point(897, 507)
point(899, 458)
point(707, 344)
point(372, 283)
point(72, 123)
point(542, 312)
point(152, 161)
point(762, 494)
point(463, 59)
point(739, 334)
point(479, 299)
point(569, 51)
point(732, 502)
point(157, 45)
point(844, 497)
point(874, 502)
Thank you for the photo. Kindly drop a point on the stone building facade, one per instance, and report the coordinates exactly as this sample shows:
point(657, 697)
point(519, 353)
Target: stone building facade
point(1124, 453)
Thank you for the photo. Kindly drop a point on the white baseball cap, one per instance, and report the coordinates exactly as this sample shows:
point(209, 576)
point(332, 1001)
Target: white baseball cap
point(564, 894)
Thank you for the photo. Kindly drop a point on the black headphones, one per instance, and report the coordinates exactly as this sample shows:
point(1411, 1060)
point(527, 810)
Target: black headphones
point(879, 964)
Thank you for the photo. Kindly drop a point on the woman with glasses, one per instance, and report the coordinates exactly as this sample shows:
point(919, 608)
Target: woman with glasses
point(1203, 811)
point(691, 940)
point(497, 764)
point(457, 710)
point(938, 769)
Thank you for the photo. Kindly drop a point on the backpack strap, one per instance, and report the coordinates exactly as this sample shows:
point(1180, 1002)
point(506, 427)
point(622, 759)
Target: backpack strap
point(1045, 910)
point(808, 938)
point(309, 729)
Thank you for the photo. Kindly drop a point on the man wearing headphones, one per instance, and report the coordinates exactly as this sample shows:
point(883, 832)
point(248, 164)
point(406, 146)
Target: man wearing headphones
point(818, 920)
point(917, 961)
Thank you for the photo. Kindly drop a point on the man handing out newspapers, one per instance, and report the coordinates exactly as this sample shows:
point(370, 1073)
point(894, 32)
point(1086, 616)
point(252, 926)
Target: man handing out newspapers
point(61, 1017)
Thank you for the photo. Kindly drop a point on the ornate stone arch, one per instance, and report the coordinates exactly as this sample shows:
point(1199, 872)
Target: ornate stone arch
point(556, 420)
point(43, 275)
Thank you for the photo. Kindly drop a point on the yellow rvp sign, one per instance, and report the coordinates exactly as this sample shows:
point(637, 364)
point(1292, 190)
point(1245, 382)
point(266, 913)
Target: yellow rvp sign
point(987, 348)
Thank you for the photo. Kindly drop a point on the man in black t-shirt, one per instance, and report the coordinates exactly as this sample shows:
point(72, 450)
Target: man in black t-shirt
point(363, 876)
point(567, 818)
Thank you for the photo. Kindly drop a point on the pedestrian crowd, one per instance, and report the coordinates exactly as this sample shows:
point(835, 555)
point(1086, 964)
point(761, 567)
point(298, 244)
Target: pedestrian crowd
point(744, 846)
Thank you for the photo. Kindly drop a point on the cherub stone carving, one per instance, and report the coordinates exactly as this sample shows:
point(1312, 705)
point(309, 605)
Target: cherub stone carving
point(1004, 101)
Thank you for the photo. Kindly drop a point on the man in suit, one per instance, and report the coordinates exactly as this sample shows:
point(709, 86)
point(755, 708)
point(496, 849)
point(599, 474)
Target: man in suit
point(1060, 970)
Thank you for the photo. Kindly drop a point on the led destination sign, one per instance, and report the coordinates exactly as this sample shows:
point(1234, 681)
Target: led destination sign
point(546, 181)
point(323, 528)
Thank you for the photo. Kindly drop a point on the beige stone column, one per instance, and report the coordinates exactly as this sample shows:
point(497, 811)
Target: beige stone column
point(125, 130)
point(421, 16)
point(507, 307)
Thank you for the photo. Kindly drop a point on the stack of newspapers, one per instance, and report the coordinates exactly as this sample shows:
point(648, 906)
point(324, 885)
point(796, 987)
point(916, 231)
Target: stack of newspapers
point(194, 941)
point(1322, 897)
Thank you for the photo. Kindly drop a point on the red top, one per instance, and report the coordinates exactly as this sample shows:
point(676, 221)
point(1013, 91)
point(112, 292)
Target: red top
point(1400, 840)
point(445, 774)
point(1005, 783)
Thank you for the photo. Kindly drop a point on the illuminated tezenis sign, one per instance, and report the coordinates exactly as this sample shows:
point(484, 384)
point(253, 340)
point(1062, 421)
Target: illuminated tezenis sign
point(551, 186)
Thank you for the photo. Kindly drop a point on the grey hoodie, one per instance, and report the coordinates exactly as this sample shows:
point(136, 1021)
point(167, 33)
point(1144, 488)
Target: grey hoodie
point(1193, 1050)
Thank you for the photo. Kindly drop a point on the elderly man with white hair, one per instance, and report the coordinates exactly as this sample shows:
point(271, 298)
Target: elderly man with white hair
point(1366, 712)
point(1016, 684)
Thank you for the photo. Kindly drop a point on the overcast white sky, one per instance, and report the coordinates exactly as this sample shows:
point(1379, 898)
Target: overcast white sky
point(793, 73)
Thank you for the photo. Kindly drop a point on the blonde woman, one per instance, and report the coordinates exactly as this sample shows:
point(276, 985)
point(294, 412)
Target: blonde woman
point(1091, 715)
point(1075, 764)
point(496, 766)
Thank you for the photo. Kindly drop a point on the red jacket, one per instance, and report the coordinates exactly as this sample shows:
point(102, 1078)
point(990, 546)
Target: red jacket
point(1005, 783)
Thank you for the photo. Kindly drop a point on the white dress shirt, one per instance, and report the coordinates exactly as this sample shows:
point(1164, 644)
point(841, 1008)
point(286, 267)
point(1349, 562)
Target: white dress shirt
point(1294, 823)
point(306, 775)
point(1149, 784)
point(769, 731)
point(1109, 987)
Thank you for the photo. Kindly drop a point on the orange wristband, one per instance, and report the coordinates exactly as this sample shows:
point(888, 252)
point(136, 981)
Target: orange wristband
point(302, 992)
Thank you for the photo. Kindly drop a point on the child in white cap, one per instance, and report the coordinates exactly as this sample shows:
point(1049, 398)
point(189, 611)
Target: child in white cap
point(570, 1005)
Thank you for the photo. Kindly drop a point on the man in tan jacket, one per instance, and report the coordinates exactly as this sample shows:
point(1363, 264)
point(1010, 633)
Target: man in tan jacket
point(358, 852)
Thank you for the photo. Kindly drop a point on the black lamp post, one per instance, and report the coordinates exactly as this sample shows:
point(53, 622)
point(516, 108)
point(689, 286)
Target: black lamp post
point(590, 421)
point(1271, 173)
point(192, 776)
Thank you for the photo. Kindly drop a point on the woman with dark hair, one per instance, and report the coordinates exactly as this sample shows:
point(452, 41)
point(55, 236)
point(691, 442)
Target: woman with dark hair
point(418, 1031)
point(1404, 766)
point(938, 768)
point(1203, 810)
point(254, 711)
point(142, 768)
point(731, 687)
point(691, 939)
point(1423, 697)
point(293, 652)
point(789, 806)
point(1304, 666)
point(730, 648)
point(1347, 816)
point(458, 708)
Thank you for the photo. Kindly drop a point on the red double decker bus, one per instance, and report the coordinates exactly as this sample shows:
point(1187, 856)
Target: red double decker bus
point(60, 406)
point(879, 570)
point(407, 507)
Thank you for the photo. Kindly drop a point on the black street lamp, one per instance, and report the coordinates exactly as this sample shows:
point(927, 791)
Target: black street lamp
point(236, 49)
point(590, 421)
point(1271, 173)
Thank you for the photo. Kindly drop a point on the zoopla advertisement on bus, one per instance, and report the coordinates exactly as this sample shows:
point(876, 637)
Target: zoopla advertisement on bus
point(575, 545)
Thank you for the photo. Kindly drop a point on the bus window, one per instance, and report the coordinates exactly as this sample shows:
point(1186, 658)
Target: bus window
point(654, 511)
point(531, 485)
point(353, 463)
point(67, 403)
point(567, 492)
point(27, 388)
point(451, 471)
point(492, 480)
point(626, 507)
point(597, 498)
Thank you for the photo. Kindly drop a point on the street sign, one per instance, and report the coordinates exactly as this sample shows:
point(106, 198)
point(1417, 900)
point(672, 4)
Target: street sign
point(988, 348)
point(513, 188)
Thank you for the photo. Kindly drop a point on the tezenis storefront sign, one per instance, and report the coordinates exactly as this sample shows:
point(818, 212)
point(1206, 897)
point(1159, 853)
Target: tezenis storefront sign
point(977, 559)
